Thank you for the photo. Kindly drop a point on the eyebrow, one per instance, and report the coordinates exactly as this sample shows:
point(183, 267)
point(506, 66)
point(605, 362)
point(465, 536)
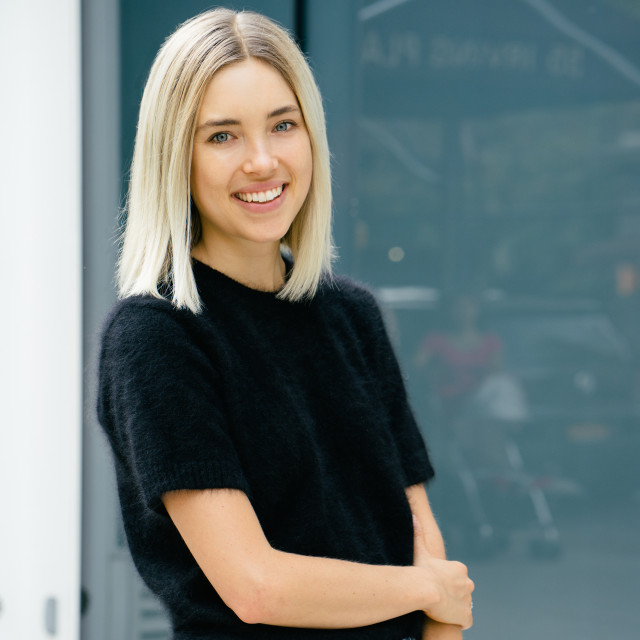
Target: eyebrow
point(227, 122)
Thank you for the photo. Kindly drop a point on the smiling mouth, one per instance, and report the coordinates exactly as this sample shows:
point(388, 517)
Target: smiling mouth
point(260, 196)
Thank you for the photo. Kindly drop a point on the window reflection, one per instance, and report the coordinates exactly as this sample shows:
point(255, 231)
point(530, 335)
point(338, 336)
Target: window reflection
point(496, 179)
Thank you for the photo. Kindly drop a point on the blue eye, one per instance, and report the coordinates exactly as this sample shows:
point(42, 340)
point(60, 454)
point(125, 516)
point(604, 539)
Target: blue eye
point(283, 126)
point(219, 138)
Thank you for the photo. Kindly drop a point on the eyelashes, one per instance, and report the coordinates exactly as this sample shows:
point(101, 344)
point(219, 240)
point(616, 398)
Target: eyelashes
point(220, 138)
point(223, 137)
point(284, 126)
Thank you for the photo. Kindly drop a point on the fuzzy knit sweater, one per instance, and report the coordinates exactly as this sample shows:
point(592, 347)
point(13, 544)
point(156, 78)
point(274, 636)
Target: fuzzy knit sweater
point(300, 405)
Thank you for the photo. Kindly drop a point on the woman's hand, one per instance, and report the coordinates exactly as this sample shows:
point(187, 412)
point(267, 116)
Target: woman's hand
point(454, 587)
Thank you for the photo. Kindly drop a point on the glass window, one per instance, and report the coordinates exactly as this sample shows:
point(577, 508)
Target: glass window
point(486, 167)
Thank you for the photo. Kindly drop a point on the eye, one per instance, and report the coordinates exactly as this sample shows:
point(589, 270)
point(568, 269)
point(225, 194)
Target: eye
point(284, 126)
point(220, 138)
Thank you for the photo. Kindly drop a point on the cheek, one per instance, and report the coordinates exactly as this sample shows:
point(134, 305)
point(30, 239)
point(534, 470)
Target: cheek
point(203, 179)
point(308, 165)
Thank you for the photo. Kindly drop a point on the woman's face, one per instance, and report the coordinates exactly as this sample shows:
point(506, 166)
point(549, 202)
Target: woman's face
point(251, 165)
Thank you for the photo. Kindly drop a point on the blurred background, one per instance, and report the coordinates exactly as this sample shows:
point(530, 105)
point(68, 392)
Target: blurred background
point(486, 158)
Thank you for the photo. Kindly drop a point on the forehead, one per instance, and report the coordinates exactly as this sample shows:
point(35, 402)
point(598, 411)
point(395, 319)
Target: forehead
point(251, 85)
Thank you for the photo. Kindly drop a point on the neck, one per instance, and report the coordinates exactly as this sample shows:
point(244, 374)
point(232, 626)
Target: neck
point(261, 268)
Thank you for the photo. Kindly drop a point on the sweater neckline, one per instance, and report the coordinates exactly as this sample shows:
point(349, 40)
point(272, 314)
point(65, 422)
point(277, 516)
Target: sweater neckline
point(212, 281)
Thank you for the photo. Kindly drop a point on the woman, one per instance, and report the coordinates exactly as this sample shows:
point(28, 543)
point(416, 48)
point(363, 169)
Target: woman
point(268, 464)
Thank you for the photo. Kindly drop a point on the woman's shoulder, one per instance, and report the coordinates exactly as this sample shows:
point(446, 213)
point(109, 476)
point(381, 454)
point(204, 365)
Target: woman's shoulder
point(349, 292)
point(145, 319)
point(349, 302)
point(130, 312)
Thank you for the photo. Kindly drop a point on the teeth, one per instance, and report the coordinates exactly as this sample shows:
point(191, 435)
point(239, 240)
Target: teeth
point(260, 196)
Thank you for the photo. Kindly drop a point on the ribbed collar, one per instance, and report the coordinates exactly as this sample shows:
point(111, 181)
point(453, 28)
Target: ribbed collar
point(212, 284)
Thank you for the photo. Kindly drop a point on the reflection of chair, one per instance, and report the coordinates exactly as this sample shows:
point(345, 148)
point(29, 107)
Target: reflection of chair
point(500, 396)
point(486, 461)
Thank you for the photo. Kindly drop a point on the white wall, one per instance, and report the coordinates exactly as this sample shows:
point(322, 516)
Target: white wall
point(40, 331)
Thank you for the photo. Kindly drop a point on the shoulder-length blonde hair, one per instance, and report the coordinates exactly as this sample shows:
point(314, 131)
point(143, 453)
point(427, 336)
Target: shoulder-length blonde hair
point(162, 225)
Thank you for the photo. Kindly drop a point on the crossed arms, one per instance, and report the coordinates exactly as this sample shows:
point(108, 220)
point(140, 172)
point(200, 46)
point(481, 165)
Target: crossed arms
point(264, 585)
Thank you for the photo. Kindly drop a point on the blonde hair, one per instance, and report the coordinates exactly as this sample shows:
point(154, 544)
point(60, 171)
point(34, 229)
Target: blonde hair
point(162, 226)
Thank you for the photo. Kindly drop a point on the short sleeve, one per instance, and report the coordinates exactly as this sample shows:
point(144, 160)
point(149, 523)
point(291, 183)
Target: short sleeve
point(159, 403)
point(413, 452)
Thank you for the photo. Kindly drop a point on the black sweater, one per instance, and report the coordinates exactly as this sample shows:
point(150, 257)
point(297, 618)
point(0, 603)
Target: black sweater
point(300, 405)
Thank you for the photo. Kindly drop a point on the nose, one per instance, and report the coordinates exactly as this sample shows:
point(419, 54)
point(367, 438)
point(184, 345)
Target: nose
point(260, 159)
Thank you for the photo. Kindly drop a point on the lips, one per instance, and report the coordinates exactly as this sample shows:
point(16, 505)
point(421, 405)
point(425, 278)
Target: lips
point(267, 195)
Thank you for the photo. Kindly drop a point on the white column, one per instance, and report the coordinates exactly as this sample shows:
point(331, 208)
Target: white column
point(40, 330)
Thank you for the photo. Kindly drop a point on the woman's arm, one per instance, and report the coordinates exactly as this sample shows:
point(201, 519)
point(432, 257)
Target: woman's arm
point(428, 531)
point(264, 585)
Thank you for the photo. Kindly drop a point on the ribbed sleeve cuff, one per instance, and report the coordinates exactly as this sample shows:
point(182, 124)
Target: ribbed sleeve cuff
point(418, 468)
point(190, 476)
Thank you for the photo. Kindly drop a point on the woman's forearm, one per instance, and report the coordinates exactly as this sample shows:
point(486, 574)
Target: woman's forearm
point(302, 591)
point(264, 585)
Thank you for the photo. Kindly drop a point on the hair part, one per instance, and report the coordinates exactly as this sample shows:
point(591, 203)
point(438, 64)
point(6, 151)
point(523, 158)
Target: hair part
point(163, 224)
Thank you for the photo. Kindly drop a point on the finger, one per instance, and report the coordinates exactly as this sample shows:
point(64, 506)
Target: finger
point(470, 617)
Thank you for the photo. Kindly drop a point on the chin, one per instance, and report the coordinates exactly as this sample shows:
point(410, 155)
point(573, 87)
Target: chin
point(271, 235)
